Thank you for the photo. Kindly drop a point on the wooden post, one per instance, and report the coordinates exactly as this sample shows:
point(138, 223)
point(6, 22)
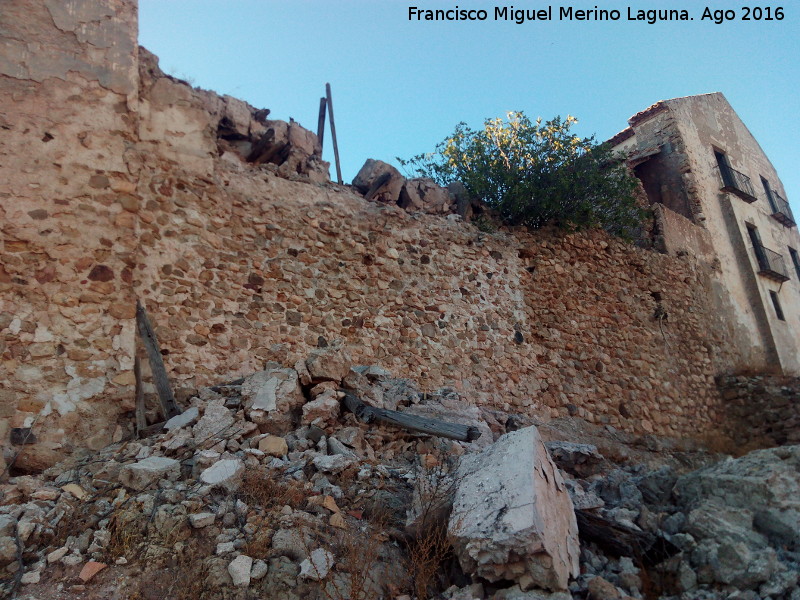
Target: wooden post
point(141, 422)
point(169, 407)
point(367, 414)
point(321, 122)
point(333, 133)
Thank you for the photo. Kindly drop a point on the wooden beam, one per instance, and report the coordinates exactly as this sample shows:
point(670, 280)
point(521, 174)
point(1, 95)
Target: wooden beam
point(333, 132)
point(141, 422)
point(169, 407)
point(368, 414)
point(323, 103)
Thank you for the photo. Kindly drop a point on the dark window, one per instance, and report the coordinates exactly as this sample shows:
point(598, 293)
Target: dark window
point(770, 197)
point(776, 303)
point(724, 169)
point(796, 261)
point(758, 248)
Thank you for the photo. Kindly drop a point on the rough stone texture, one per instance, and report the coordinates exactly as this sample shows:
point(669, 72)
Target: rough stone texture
point(762, 487)
point(226, 473)
point(763, 410)
point(122, 184)
point(317, 565)
point(239, 570)
point(271, 395)
point(379, 181)
point(145, 473)
point(187, 417)
point(273, 445)
point(512, 516)
point(424, 195)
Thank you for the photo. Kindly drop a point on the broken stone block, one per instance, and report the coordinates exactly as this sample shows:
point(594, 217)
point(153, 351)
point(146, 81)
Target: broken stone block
point(578, 459)
point(317, 566)
point(273, 445)
point(422, 194)
point(239, 570)
point(271, 395)
point(225, 473)
point(259, 570)
point(140, 475)
point(216, 422)
point(200, 520)
point(323, 410)
point(328, 364)
point(187, 417)
point(334, 463)
point(512, 517)
point(379, 181)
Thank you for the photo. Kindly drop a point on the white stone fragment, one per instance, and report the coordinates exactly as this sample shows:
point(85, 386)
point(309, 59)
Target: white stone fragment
point(512, 517)
point(239, 569)
point(140, 475)
point(317, 566)
point(226, 473)
point(187, 417)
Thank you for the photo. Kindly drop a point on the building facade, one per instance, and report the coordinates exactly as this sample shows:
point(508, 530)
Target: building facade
point(717, 196)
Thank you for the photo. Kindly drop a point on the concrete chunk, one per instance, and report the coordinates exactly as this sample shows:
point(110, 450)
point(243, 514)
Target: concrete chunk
point(512, 516)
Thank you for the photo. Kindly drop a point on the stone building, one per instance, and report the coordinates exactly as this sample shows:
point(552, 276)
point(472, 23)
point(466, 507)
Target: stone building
point(717, 196)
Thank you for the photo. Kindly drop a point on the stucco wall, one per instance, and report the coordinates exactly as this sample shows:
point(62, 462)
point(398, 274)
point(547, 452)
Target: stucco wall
point(688, 130)
point(707, 122)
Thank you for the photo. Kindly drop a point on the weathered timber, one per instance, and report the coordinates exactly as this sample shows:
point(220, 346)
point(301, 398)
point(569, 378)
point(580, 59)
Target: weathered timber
point(323, 104)
point(368, 414)
point(169, 407)
point(333, 132)
point(141, 421)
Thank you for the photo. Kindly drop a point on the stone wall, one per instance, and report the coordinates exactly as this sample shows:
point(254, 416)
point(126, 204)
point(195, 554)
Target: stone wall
point(763, 410)
point(68, 93)
point(125, 185)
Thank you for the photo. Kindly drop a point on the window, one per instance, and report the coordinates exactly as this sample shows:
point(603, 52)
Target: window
point(733, 181)
point(776, 303)
point(770, 263)
point(770, 197)
point(758, 247)
point(796, 261)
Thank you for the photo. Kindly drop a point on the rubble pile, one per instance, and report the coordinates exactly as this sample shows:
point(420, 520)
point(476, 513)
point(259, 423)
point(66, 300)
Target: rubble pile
point(267, 488)
point(381, 182)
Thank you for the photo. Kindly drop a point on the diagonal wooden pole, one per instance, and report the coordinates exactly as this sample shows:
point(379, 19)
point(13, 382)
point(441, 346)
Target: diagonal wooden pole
point(323, 102)
point(169, 407)
point(333, 132)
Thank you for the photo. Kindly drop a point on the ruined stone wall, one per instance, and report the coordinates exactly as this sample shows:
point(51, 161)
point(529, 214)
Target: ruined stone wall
point(68, 92)
point(546, 323)
point(763, 410)
point(123, 185)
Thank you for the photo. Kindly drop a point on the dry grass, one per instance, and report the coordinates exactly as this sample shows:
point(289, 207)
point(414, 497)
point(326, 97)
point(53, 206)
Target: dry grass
point(356, 552)
point(262, 489)
point(128, 530)
point(428, 547)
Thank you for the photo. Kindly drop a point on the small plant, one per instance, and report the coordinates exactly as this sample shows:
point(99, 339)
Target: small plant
point(534, 173)
point(429, 548)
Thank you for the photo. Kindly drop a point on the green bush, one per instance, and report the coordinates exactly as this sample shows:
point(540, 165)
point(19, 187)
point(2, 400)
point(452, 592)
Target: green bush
point(535, 173)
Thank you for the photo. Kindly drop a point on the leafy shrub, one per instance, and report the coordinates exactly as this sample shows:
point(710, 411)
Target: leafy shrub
point(534, 173)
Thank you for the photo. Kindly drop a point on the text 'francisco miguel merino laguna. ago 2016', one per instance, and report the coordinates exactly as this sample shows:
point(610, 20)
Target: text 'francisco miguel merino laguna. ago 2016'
point(570, 13)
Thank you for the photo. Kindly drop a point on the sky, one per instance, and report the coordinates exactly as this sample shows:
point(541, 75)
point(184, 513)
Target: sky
point(399, 87)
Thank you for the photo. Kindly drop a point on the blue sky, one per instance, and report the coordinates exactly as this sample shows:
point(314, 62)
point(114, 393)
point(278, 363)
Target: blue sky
point(399, 87)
